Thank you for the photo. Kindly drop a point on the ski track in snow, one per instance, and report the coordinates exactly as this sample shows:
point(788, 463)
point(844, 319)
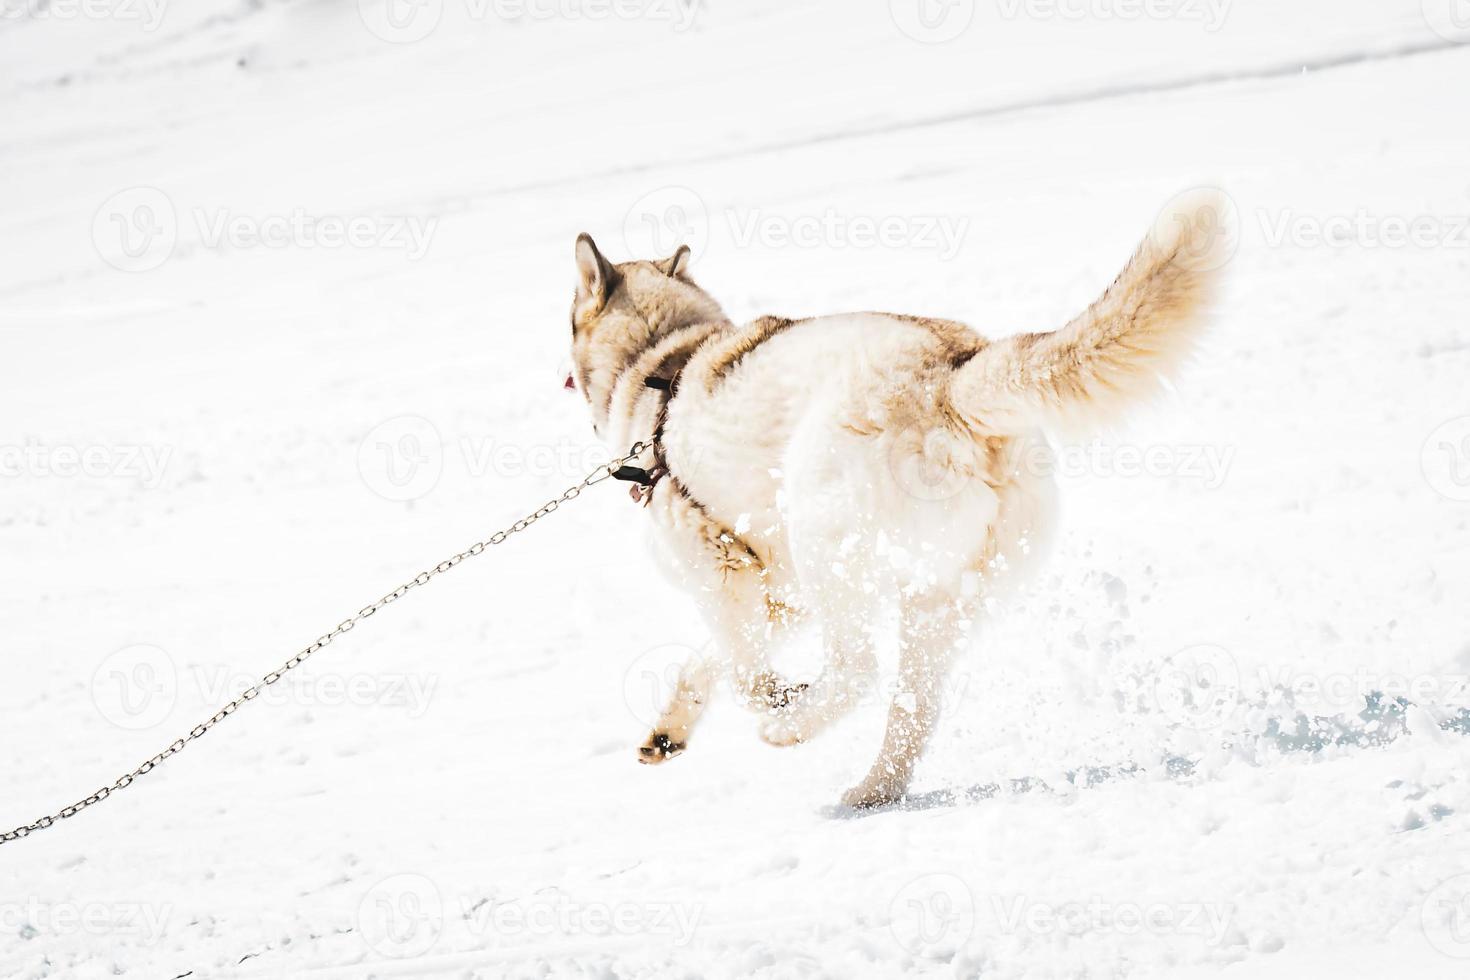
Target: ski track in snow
point(450, 790)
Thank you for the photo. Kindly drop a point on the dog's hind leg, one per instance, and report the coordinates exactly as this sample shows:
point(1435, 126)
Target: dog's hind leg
point(836, 573)
point(934, 630)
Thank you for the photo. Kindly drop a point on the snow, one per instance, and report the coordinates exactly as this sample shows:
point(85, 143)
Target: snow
point(340, 361)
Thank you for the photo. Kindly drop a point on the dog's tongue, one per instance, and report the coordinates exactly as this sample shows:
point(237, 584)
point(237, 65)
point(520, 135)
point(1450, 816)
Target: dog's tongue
point(569, 384)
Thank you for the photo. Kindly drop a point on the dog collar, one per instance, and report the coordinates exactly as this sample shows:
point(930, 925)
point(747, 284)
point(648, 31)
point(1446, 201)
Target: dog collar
point(644, 480)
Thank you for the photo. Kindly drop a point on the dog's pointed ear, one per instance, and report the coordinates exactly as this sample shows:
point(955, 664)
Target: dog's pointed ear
point(676, 265)
point(594, 273)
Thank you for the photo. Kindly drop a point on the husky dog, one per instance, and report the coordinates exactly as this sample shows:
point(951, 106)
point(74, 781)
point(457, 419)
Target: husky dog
point(847, 464)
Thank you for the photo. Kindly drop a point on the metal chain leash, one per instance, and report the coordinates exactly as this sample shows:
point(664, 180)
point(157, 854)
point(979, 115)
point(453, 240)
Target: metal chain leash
point(597, 476)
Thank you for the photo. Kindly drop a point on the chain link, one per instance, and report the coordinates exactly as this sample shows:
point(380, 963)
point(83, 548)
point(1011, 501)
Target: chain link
point(251, 693)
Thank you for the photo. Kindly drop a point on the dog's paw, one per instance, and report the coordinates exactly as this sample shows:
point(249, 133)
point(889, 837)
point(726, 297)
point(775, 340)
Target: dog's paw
point(781, 697)
point(872, 793)
point(659, 748)
point(783, 726)
point(782, 731)
point(770, 692)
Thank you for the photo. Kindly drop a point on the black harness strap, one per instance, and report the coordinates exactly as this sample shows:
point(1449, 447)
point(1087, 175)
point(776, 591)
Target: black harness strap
point(634, 474)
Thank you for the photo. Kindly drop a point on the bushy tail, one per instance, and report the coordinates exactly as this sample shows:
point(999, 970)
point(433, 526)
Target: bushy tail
point(1081, 377)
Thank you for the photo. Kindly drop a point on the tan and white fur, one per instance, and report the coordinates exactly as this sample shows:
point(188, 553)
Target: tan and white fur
point(840, 465)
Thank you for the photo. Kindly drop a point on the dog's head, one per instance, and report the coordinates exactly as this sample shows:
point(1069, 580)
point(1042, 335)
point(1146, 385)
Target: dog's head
point(621, 310)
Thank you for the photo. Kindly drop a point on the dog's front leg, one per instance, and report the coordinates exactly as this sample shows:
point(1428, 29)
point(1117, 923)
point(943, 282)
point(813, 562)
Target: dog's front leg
point(933, 631)
point(743, 623)
point(848, 674)
point(670, 733)
point(737, 616)
point(727, 580)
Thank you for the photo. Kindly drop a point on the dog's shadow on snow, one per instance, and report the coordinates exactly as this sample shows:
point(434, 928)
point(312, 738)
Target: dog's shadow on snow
point(1176, 767)
point(937, 799)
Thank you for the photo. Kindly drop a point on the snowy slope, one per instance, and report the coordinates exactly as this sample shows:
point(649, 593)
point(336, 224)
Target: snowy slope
point(215, 448)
